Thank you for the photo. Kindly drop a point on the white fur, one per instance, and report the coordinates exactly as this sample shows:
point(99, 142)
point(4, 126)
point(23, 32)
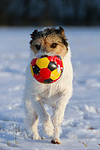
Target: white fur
point(56, 94)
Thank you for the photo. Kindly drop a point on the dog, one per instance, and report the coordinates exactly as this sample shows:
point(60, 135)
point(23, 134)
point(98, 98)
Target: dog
point(48, 41)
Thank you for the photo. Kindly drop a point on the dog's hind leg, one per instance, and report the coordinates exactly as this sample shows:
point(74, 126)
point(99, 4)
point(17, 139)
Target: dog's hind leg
point(47, 125)
point(32, 120)
point(34, 127)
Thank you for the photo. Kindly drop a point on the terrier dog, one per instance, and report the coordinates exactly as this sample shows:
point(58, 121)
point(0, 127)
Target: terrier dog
point(49, 42)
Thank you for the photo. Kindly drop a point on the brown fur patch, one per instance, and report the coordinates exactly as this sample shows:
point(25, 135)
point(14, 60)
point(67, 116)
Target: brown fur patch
point(44, 39)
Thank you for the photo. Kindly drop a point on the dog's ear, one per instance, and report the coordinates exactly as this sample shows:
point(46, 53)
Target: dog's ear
point(34, 33)
point(62, 31)
point(63, 37)
point(33, 36)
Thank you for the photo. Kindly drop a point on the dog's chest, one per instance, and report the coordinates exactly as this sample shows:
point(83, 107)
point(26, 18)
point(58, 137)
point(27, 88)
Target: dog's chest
point(49, 90)
point(50, 94)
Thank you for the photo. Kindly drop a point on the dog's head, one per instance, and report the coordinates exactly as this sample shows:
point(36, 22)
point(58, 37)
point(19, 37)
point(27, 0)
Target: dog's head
point(49, 41)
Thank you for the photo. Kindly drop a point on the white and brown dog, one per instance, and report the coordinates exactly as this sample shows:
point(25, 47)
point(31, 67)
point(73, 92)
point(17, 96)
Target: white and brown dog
point(49, 41)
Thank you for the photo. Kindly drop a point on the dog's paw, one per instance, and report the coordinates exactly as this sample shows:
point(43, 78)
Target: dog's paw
point(55, 141)
point(48, 128)
point(36, 137)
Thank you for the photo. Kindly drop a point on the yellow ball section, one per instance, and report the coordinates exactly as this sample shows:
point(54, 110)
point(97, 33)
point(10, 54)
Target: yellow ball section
point(31, 70)
point(42, 62)
point(55, 74)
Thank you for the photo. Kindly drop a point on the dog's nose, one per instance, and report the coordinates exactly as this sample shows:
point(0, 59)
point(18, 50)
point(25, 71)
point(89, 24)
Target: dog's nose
point(44, 56)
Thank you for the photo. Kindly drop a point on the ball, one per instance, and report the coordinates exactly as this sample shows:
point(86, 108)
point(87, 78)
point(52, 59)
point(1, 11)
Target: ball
point(47, 69)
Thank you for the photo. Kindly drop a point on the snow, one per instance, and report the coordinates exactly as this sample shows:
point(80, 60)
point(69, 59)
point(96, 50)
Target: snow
point(81, 125)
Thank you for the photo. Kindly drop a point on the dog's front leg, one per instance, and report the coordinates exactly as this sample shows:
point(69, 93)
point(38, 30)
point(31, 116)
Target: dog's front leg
point(44, 116)
point(57, 117)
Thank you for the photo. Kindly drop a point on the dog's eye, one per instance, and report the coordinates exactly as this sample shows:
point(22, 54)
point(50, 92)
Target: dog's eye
point(38, 47)
point(54, 45)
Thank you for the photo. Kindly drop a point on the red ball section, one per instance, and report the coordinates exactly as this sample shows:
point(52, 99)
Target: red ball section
point(44, 74)
point(47, 69)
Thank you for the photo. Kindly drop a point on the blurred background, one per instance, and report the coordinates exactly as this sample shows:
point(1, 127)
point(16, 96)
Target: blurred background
point(49, 12)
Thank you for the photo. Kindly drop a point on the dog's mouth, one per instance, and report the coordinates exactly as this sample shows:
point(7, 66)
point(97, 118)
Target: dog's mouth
point(44, 56)
point(52, 55)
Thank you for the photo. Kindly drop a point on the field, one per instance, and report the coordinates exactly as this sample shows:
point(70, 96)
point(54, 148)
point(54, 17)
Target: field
point(80, 129)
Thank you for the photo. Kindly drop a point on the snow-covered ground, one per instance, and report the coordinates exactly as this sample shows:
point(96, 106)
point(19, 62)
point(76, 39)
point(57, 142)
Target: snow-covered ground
point(80, 129)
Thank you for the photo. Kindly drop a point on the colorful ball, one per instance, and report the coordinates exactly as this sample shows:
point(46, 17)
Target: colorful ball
point(47, 69)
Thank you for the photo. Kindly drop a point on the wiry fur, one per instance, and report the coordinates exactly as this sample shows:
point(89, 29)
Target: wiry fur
point(56, 94)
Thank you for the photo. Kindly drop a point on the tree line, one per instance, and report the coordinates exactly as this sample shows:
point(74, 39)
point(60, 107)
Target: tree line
point(49, 12)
